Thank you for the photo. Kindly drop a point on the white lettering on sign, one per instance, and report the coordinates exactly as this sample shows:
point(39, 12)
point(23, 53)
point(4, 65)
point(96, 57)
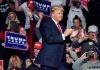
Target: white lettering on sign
point(16, 40)
point(42, 6)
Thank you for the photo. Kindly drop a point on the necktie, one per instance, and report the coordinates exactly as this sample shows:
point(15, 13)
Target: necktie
point(59, 28)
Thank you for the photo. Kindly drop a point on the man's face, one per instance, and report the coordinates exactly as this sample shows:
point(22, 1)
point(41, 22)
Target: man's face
point(92, 35)
point(28, 62)
point(94, 55)
point(22, 31)
point(36, 51)
point(57, 15)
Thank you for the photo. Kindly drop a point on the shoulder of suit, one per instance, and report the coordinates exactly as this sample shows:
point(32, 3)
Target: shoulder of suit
point(48, 20)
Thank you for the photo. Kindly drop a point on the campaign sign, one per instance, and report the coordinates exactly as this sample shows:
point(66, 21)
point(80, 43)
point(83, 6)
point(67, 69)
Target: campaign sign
point(15, 41)
point(1, 65)
point(43, 6)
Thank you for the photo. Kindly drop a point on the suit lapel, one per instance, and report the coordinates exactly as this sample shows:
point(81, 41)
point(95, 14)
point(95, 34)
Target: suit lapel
point(54, 25)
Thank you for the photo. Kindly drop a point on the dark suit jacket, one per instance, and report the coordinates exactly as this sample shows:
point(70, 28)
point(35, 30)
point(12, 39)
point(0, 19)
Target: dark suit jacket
point(52, 52)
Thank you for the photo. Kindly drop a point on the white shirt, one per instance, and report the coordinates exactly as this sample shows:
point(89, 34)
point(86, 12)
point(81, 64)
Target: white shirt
point(27, 18)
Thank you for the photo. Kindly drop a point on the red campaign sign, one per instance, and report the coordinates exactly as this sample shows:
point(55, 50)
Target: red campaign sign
point(1, 65)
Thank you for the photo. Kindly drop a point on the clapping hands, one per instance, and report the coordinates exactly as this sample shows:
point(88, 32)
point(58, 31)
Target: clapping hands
point(68, 32)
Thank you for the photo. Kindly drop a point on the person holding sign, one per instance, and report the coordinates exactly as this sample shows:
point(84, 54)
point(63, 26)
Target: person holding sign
point(52, 54)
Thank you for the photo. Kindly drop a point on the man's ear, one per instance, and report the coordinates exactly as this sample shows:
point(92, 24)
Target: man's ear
point(52, 14)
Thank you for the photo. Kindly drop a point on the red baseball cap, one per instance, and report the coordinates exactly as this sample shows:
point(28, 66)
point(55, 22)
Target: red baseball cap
point(37, 45)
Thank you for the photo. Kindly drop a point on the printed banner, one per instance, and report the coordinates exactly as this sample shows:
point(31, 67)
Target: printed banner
point(1, 65)
point(43, 6)
point(15, 41)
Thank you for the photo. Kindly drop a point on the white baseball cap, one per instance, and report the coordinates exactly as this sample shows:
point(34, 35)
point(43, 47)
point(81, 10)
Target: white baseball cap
point(93, 28)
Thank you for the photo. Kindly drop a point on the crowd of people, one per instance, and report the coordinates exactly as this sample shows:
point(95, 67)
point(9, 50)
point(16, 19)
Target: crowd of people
point(67, 39)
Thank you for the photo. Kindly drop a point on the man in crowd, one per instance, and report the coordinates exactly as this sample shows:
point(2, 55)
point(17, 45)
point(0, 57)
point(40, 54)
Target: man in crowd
point(92, 37)
point(92, 61)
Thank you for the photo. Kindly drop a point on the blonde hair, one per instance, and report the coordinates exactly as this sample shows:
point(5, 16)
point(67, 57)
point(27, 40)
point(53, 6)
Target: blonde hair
point(59, 7)
point(14, 61)
point(12, 13)
point(16, 18)
point(7, 19)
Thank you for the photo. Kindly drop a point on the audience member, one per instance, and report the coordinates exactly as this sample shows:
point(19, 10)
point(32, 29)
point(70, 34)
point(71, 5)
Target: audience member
point(4, 10)
point(37, 27)
point(78, 30)
point(28, 13)
point(76, 9)
point(12, 22)
point(29, 65)
point(14, 63)
point(92, 62)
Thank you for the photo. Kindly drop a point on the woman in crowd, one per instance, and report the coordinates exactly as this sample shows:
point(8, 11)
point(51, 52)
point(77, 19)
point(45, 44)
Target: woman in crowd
point(14, 63)
point(78, 30)
point(12, 22)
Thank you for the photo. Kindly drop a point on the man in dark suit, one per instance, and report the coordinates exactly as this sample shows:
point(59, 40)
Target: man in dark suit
point(52, 54)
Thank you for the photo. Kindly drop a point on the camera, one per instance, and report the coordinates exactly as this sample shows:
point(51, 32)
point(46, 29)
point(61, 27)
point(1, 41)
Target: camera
point(89, 54)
